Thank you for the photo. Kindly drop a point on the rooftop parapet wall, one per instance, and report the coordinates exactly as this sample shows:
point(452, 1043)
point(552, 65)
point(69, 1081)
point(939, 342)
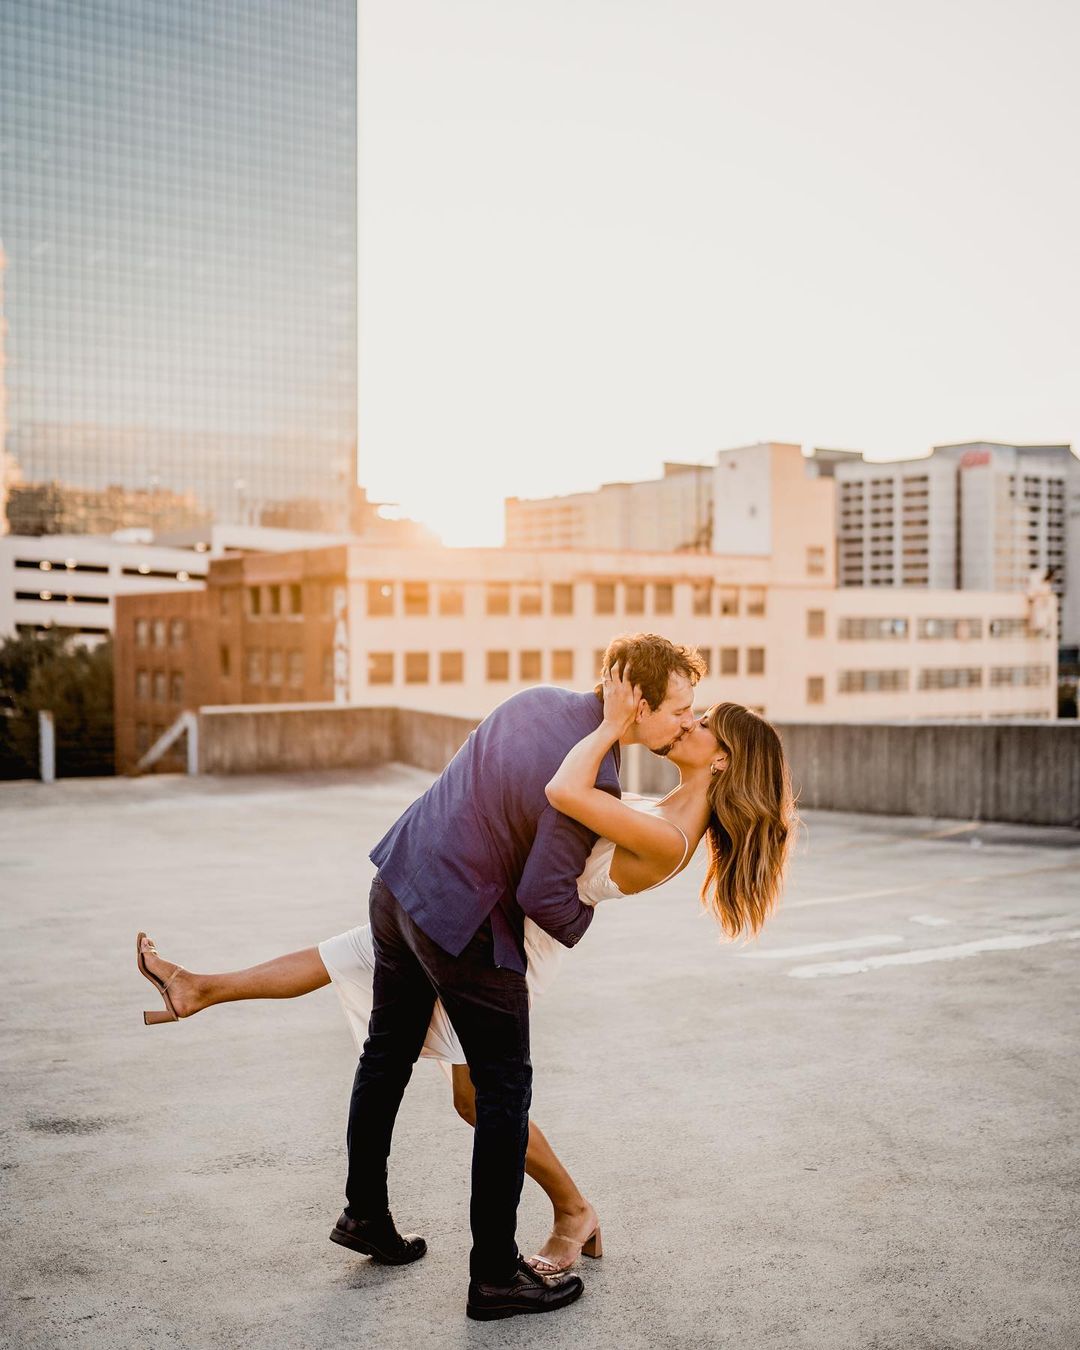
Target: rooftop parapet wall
point(299, 737)
point(1025, 773)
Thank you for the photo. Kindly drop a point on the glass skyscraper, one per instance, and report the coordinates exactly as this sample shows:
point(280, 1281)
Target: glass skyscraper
point(178, 214)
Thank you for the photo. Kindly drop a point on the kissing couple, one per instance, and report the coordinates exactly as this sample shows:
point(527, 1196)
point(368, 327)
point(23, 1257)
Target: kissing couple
point(480, 887)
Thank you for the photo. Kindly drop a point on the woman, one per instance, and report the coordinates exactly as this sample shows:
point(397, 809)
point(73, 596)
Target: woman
point(734, 789)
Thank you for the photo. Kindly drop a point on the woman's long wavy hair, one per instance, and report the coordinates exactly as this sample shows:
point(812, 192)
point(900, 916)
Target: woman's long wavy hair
point(752, 826)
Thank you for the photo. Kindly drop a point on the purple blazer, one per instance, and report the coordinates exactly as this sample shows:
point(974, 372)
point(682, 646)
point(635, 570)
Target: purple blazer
point(483, 842)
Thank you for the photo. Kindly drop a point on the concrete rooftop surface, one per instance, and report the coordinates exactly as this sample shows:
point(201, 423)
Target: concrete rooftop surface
point(859, 1133)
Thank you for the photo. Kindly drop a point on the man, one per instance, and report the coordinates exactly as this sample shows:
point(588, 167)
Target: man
point(457, 874)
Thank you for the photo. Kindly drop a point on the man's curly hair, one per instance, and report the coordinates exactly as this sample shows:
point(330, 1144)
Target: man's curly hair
point(649, 661)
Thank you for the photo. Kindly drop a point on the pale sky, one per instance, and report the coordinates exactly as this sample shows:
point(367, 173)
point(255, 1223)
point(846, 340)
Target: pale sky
point(595, 234)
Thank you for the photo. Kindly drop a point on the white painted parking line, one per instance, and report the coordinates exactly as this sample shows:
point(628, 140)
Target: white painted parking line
point(815, 948)
point(1012, 942)
point(931, 920)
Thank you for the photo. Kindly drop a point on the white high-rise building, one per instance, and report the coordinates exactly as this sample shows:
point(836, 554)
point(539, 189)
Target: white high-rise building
point(978, 516)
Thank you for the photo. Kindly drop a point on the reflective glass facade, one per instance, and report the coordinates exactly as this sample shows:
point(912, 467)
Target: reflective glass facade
point(178, 211)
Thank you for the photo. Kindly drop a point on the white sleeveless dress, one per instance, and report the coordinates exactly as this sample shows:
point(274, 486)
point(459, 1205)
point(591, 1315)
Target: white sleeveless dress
point(349, 958)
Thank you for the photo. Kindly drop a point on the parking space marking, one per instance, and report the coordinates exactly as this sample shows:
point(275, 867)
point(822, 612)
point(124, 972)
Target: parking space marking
point(1011, 942)
point(815, 948)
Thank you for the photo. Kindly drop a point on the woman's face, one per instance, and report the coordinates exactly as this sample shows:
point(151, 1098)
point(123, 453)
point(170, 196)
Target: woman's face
point(699, 749)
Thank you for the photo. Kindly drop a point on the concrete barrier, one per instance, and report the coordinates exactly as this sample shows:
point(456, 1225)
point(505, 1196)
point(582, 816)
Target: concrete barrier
point(1025, 772)
point(430, 740)
point(262, 738)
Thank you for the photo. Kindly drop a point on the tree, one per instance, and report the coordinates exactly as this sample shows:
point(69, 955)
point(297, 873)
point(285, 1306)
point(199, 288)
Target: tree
point(52, 672)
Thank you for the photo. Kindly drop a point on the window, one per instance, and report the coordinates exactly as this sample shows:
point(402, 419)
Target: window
point(451, 667)
point(530, 599)
point(663, 597)
point(635, 597)
point(177, 633)
point(225, 657)
point(142, 738)
point(870, 630)
point(706, 655)
point(451, 600)
point(497, 598)
point(562, 598)
point(255, 666)
point(296, 669)
point(815, 689)
point(701, 597)
point(380, 668)
point(604, 592)
point(225, 601)
point(729, 660)
point(755, 660)
point(380, 598)
point(176, 687)
point(254, 601)
point(416, 599)
point(296, 598)
point(815, 623)
point(598, 662)
point(960, 630)
point(274, 596)
point(416, 668)
point(945, 677)
point(815, 561)
point(142, 632)
point(142, 684)
point(159, 632)
point(1023, 675)
point(159, 686)
point(562, 664)
point(755, 601)
point(529, 665)
point(1008, 628)
point(276, 668)
point(873, 681)
point(498, 665)
point(729, 600)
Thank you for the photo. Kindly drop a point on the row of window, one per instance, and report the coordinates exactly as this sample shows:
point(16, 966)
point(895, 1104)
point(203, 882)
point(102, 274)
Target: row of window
point(153, 632)
point(161, 686)
point(532, 665)
point(422, 598)
point(965, 677)
point(960, 630)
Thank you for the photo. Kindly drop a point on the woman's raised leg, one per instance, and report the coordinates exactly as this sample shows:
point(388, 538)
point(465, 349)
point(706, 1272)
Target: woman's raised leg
point(288, 976)
point(574, 1220)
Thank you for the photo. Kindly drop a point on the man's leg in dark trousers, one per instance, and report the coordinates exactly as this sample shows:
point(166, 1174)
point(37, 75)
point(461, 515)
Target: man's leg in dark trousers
point(403, 999)
point(489, 1009)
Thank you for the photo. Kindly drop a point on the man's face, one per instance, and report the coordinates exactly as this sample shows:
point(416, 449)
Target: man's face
point(664, 727)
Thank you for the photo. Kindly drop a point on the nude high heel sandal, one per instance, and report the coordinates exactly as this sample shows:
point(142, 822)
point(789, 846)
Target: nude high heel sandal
point(592, 1246)
point(168, 1014)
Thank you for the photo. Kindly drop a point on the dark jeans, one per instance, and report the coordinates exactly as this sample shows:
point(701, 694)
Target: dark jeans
point(489, 1009)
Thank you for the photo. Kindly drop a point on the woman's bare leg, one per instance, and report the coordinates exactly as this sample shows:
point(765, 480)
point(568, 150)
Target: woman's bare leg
point(574, 1218)
point(288, 976)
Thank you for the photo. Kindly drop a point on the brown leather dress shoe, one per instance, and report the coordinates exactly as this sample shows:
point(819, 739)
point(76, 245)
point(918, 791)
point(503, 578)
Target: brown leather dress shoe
point(527, 1292)
point(379, 1238)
